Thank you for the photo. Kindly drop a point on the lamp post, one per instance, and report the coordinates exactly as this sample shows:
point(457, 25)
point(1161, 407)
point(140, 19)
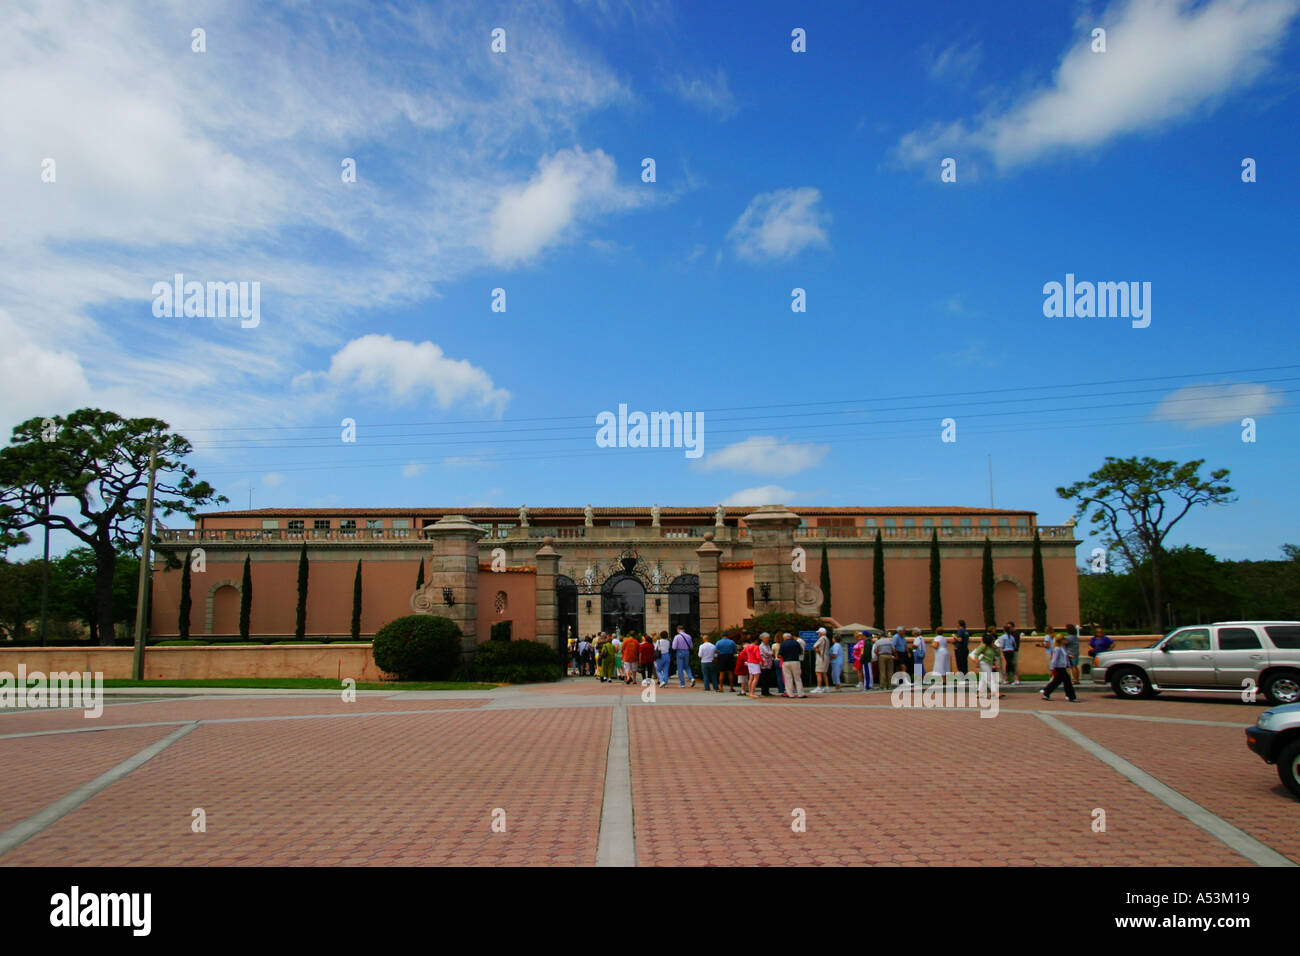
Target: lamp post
point(45, 571)
point(137, 665)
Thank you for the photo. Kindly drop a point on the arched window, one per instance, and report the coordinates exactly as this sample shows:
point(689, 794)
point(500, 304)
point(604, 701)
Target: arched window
point(622, 605)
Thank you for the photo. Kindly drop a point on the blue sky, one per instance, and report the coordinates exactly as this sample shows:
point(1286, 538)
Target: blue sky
point(775, 170)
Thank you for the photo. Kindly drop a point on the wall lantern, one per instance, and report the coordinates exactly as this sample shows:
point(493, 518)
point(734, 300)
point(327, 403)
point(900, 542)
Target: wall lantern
point(588, 605)
point(766, 590)
point(657, 603)
point(448, 597)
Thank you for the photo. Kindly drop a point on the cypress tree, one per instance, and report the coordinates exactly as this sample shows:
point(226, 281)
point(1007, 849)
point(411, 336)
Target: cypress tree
point(878, 583)
point(419, 578)
point(356, 604)
point(183, 613)
point(245, 600)
point(990, 615)
point(1039, 586)
point(826, 584)
point(300, 618)
point(936, 592)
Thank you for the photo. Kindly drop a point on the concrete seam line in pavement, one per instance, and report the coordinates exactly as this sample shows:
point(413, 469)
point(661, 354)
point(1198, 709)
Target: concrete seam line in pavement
point(22, 832)
point(1235, 839)
point(616, 845)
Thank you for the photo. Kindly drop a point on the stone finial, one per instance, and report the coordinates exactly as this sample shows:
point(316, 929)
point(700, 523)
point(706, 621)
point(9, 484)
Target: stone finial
point(708, 536)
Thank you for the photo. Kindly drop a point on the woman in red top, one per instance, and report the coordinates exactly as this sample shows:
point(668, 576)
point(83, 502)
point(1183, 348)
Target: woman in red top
point(647, 651)
point(753, 658)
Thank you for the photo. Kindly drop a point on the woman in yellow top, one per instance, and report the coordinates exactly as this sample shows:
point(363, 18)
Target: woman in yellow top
point(608, 661)
point(986, 655)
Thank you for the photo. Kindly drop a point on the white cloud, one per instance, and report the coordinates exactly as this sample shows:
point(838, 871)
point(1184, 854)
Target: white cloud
point(230, 171)
point(709, 93)
point(954, 62)
point(780, 224)
point(1164, 61)
point(568, 185)
point(764, 495)
point(413, 469)
point(273, 479)
point(38, 379)
point(404, 371)
point(765, 455)
point(1196, 406)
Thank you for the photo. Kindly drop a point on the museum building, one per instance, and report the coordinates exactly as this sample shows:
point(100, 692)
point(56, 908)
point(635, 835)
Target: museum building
point(553, 572)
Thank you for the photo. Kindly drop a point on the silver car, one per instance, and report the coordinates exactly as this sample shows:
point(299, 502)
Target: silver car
point(1226, 656)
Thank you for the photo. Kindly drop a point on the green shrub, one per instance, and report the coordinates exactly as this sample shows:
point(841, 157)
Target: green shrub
point(513, 662)
point(420, 647)
point(501, 631)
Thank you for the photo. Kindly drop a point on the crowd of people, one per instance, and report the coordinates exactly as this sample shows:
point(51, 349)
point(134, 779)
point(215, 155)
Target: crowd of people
point(759, 665)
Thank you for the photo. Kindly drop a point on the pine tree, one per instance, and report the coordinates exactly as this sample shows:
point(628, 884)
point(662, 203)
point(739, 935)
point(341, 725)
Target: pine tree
point(300, 618)
point(878, 583)
point(990, 615)
point(1039, 587)
point(826, 584)
point(356, 604)
point(245, 599)
point(419, 578)
point(183, 613)
point(936, 591)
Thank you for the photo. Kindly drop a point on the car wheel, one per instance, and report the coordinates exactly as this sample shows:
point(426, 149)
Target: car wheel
point(1131, 684)
point(1288, 767)
point(1282, 688)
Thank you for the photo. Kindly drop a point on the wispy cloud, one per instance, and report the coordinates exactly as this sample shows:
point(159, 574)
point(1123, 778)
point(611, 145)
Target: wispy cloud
point(762, 495)
point(708, 92)
point(780, 224)
point(1165, 61)
point(765, 455)
point(1197, 406)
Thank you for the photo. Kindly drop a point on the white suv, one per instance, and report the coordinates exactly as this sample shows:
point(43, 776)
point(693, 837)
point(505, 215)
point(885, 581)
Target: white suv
point(1227, 656)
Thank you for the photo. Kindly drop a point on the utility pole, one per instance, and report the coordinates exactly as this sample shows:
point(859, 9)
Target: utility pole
point(45, 572)
point(137, 668)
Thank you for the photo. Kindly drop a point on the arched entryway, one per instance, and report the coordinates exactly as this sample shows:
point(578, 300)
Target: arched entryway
point(622, 605)
point(566, 607)
point(684, 604)
point(1009, 601)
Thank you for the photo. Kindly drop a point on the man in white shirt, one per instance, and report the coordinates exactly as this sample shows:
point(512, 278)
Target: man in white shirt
point(708, 651)
point(1009, 645)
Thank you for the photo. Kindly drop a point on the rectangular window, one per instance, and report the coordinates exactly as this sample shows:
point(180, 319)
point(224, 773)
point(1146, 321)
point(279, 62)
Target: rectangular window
point(1238, 639)
point(1284, 636)
point(295, 524)
point(1023, 522)
point(321, 524)
point(622, 523)
point(889, 522)
point(269, 524)
point(348, 524)
point(984, 522)
point(909, 522)
point(401, 523)
point(965, 522)
point(1004, 522)
point(927, 522)
point(869, 522)
point(373, 523)
point(946, 522)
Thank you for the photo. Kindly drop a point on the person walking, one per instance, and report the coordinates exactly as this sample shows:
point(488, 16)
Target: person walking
point(1060, 672)
point(682, 649)
point(1009, 644)
point(940, 652)
point(663, 657)
point(822, 661)
point(631, 653)
point(1072, 648)
point(708, 667)
point(837, 664)
point(918, 654)
point(1049, 643)
point(584, 655)
point(986, 656)
point(726, 661)
point(961, 646)
point(646, 658)
point(885, 659)
point(790, 655)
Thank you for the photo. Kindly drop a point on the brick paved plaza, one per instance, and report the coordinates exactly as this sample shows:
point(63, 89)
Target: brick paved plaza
point(580, 773)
